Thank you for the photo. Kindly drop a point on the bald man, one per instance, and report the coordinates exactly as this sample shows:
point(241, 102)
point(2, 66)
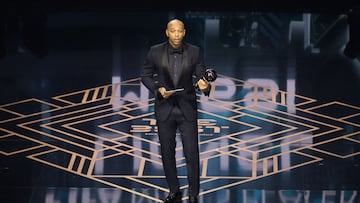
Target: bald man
point(168, 72)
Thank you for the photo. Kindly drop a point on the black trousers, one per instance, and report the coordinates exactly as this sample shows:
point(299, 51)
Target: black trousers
point(189, 136)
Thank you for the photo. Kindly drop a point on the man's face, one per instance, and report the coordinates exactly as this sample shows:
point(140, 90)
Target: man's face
point(175, 32)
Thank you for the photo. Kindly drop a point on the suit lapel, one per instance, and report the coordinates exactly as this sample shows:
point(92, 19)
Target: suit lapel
point(165, 65)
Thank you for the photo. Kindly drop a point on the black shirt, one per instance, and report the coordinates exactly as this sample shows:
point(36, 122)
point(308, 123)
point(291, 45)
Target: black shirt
point(175, 61)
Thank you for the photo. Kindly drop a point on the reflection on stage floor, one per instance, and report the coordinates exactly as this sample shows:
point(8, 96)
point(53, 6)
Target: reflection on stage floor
point(280, 125)
point(92, 146)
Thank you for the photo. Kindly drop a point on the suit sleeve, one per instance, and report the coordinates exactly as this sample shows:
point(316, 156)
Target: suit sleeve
point(148, 74)
point(200, 71)
point(200, 66)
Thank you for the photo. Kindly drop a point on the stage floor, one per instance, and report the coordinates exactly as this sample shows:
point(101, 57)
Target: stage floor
point(94, 146)
point(78, 126)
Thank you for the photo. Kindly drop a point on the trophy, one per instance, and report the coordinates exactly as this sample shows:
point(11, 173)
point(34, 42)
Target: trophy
point(210, 76)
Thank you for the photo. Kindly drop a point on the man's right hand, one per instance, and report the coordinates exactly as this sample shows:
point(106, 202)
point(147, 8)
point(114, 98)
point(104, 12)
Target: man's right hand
point(203, 85)
point(164, 93)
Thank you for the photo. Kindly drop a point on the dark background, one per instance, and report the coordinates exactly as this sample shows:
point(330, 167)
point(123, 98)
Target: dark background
point(50, 48)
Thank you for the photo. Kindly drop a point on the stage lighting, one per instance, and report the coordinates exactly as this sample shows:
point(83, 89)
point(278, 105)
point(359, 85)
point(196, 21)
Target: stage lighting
point(352, 48)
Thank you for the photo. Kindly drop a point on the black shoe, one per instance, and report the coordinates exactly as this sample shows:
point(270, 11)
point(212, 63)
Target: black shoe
point(173, 198)
point(193, 199)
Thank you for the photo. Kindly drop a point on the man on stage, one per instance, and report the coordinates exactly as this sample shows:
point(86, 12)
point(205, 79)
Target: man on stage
point(168, 72)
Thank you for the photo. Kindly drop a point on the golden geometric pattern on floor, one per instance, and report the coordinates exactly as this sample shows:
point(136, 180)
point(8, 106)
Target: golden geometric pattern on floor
point(247, 132)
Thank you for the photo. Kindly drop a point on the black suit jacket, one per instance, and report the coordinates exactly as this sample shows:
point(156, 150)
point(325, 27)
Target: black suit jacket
point(156, 74)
